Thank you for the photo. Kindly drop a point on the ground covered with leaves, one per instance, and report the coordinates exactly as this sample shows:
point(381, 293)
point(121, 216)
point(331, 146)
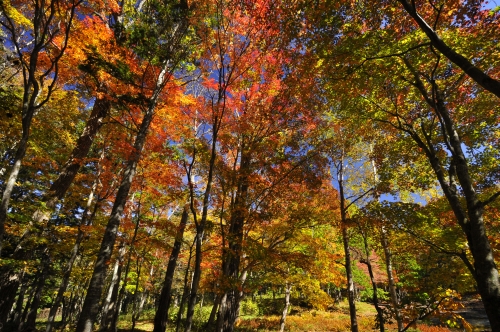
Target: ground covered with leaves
point(300, 319)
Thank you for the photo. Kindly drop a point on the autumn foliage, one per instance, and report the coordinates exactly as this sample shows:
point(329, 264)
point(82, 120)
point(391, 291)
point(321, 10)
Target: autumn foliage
point(248, 165)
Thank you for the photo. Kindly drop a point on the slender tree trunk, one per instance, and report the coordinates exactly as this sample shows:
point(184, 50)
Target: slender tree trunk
point(134, 297)
point(367, 261)
point(110, 303)
point(351, 296)
point(64, 316)
point(138, 309)
point(29, 323)
point(91, 305)
point(68, 173)
point(17, 313)
point(390, 279)
point(345, 238)
point(74, 253)
point(213, 313)
point(11, 181)
point(161, 316)
point(61, 185)
point(121, 294)
point(64, 282)
point(185, 292)
point(31, 297)
point(202, 300)
point(70, 311)
point(67, 310)
point(10, 283)
point(388, 261)
point(196, 280)
point(288, 288)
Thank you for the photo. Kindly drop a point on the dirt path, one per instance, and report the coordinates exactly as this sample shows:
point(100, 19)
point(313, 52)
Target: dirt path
point(474, 313)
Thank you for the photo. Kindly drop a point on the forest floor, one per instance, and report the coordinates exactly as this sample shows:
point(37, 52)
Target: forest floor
point(335, 320)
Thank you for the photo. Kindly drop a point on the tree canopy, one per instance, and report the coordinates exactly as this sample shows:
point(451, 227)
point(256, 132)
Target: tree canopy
point(159, 154)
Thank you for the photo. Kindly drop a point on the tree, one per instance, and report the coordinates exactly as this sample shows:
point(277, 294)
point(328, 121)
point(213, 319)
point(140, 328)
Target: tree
point(421, 104)
point(49, 24)
point(174, 29)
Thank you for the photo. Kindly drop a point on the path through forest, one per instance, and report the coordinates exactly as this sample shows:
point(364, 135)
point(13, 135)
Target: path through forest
point(473, 312)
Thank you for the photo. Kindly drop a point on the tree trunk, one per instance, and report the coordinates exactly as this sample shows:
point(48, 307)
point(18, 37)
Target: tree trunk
point(196, 280)
point(138, 309)
point(61, 185)
point(470, 219)
point(30, 322)
point(367, 261)
point(9, 285)
point(213, 313)
point(345, 238)
point(17, 313)
point(186, 290)
point(351, 296)
point(91, 304)
point(11, 180)
point(138, 270)
point(110, 303)
point(232, 254)
point(288, 288)
point(161, 316)
point(64, 282)
point(74, 253)
point(185, 294)
point(390, 279)
point(121, 295)
point(221, 313)
point(68, 173)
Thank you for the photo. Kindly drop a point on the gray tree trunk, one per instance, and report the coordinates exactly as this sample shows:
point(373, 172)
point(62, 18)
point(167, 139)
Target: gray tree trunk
point(390, 278)
point(110, 302)
point(288, 288)
point(228, 311)
point(161, 315)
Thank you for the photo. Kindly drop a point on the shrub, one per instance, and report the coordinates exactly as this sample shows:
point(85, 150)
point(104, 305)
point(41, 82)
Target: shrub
point(249, 308)
point(270, 306)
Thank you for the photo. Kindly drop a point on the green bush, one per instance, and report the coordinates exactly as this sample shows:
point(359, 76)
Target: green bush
point(270, 306)
point(201, 315)
point(249, 308)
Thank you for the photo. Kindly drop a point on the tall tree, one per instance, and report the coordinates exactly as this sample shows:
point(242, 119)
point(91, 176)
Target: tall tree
point(174, 18)
point(49, 23)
